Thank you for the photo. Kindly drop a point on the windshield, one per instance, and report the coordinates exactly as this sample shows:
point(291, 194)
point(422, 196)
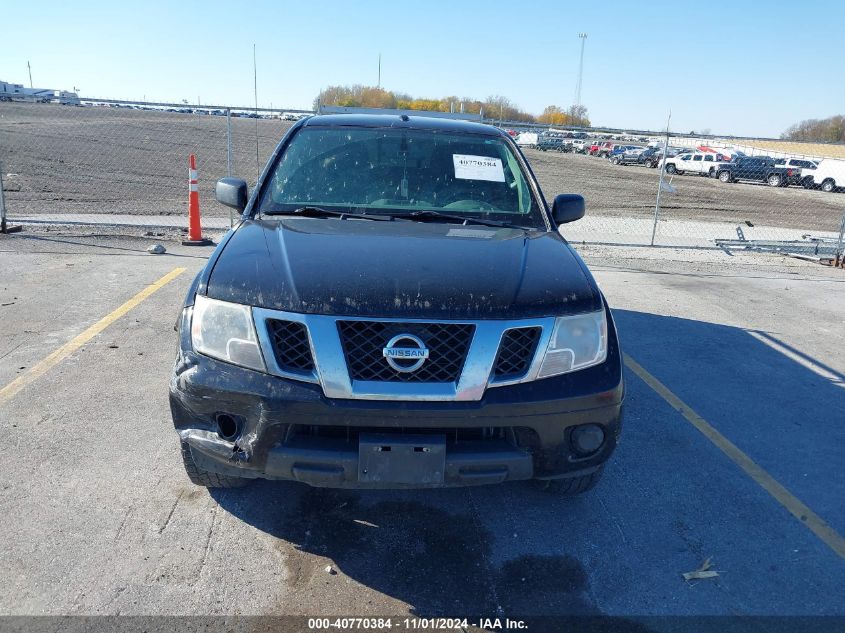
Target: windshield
point(382, 170)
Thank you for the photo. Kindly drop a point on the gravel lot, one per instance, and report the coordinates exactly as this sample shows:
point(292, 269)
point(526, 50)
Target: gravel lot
point(65, 159)
point(630, 191)
point(60, 159)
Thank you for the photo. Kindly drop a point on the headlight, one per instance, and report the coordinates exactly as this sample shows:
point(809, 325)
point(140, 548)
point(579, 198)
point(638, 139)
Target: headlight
point(577, 342)
point(225, 331)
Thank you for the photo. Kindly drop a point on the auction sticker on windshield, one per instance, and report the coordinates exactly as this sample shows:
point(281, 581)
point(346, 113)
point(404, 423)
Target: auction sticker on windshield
point(469, 167)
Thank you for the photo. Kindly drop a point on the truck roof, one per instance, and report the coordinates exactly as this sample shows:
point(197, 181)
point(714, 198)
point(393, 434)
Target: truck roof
point(411, 122)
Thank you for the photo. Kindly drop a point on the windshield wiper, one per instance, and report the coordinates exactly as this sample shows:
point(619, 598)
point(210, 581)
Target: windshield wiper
point(428, 214)
point(320, 212)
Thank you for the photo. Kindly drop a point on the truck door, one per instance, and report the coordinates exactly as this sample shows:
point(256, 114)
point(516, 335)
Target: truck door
point(697, 164)
point(754, 171)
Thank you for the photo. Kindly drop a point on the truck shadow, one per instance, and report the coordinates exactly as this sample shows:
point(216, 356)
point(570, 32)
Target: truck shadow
point(437, 552)
point(435, 560)
point(779, 404)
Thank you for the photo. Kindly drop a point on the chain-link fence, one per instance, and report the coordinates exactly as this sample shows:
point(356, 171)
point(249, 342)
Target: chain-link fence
point(131, 160)
point(124, 160)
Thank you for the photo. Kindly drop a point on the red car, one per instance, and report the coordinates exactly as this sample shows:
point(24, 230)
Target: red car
point(601, 149)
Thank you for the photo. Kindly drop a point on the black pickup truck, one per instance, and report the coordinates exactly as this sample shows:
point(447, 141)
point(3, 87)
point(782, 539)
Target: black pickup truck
point(554, 143)
point(757, 169)
point(396, 308)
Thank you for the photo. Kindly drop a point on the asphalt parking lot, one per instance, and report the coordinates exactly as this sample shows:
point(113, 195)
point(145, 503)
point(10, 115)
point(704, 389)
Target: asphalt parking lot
point(732, 452)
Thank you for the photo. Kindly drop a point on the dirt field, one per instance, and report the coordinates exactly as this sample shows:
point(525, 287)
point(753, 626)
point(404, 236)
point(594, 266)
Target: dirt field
point(630, 191)
point(827, 150)
point(61, 159)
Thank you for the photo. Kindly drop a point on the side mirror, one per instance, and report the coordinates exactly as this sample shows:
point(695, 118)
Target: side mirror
point(568, 207)
point(232, 192)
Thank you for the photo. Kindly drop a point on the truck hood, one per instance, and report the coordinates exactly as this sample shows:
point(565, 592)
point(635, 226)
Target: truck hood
point(401, 269)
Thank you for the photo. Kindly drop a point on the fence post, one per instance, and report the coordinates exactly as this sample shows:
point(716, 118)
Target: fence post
point(839, 259)
point(3, 227)
point(660, 182)
point(229, 156)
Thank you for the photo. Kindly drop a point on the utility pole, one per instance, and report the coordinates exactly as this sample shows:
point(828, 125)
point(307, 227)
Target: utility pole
point(583, 38)
point(255, 92)
point(379, 71)
point(29, 68)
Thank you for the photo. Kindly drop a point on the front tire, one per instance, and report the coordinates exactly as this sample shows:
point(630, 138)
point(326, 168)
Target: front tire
point(774, 180)
point(205, 478)
point(829, 186)
point(725, 176)
point(671, 169)
point(615, 160)
point(571, 486)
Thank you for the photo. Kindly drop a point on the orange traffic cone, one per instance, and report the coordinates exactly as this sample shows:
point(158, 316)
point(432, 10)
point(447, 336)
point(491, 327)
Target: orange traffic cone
point(195, 237)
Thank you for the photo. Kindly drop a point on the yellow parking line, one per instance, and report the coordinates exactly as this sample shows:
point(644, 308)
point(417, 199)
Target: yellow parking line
point(42, 367)
point(793, 504)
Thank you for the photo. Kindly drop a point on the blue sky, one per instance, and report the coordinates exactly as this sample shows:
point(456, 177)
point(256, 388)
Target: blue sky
point(751, 67)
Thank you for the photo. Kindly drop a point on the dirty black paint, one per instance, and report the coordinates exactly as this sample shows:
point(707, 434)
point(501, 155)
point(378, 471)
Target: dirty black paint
point(401, 269)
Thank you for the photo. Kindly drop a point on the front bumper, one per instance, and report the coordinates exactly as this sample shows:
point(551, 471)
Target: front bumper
point(288, 429)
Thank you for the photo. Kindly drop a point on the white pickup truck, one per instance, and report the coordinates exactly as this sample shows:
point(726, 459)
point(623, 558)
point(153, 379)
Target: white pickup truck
point(701, 163)
point(828, 176)
point(804, 171)
point(580, 147)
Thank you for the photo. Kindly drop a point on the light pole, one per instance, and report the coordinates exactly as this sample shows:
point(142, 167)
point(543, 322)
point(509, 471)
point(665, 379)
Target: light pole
point(583, 38)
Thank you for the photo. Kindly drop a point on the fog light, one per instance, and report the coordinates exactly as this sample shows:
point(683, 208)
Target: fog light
point(587, 438)
point(227, 426)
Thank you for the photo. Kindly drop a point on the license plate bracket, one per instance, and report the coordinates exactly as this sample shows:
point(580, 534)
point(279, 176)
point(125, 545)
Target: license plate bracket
point(385, 458)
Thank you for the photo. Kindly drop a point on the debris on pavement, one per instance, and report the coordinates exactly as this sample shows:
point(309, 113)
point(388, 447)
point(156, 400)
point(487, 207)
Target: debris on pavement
point(157, 249)
point(701, 573)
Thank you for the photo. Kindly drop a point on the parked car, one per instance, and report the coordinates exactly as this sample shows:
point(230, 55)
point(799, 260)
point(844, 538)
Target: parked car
point(828, 176)
point(639, 156)
point(701, 163)
point(757, 169)
point(527, 139)
point(554, 143)
point(596, 145)
point(602, 149)
point(657, 158)
point(580, 146)
point(799, 177)
point(350, 332)
point(618, 150)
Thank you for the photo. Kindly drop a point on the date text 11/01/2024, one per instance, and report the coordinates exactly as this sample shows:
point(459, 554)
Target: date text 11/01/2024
point(415, 624)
